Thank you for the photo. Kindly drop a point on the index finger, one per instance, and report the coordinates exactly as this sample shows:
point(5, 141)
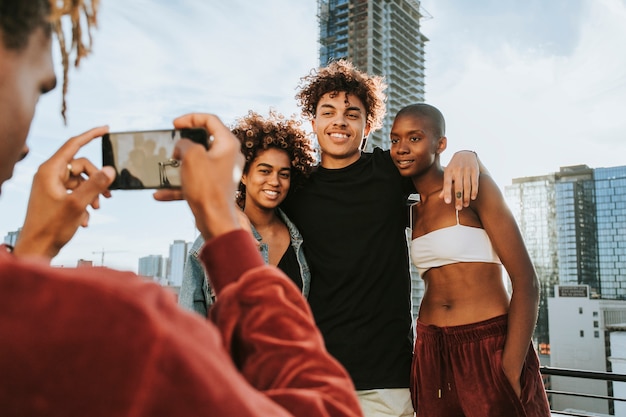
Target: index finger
point(181, 147)
point(168, 194)
point(222, 140)
point(68, 150)
point(474, 184)
point(211, 122)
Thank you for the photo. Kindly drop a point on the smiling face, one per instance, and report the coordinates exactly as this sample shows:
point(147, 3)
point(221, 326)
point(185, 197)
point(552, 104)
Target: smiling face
point(415, 147)
point(268, 179)
point(340, 124)
point(25, 74)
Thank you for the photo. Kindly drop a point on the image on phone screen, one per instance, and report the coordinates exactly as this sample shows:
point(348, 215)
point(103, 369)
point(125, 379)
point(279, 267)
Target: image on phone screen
point(143, 159)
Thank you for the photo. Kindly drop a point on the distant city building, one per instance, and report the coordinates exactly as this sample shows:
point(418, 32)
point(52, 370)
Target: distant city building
point(532, 201)
point(610, 221)
point(152, 266)
point(176, 262)
point(11, 237)
point(617, 341)
point(586, 333)
point(84, 263)
point(381, 37)
point(573, 223)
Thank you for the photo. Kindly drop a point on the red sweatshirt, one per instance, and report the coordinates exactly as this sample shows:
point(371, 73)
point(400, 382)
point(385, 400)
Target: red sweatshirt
point(98, 342)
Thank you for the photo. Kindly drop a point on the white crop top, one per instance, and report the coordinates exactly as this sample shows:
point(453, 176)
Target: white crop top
point(450, 245)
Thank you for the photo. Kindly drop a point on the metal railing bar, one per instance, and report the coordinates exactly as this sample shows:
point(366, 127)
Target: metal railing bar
point(578, 394)
point(606, 376)
point(567, 413)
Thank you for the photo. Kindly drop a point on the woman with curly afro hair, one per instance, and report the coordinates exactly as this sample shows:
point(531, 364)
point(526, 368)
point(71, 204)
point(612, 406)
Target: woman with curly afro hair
point(278, 157)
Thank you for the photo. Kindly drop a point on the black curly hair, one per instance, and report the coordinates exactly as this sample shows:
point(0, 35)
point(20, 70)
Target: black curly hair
point(342, 76)
point(258, 133)
point(20, 18)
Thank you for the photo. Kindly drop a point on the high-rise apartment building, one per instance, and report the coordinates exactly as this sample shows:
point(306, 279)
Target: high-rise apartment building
point(176, 262)
point(381, 37)
point(152, 266)
point(574, 226)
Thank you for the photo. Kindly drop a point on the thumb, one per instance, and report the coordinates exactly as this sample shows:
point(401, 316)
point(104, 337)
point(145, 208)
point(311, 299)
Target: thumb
point(109, 172)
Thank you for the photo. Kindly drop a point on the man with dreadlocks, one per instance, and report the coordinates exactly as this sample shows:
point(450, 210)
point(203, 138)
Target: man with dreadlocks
point(99, 342)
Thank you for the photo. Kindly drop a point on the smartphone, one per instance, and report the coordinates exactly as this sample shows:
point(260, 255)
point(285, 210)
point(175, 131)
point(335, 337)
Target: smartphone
point(143, 159)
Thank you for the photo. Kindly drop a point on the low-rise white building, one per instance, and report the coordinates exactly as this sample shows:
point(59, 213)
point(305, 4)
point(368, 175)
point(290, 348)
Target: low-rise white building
point(617, 339)
point(580, 330)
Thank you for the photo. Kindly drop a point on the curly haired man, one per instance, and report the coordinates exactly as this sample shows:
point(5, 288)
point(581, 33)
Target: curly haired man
point(352, 214)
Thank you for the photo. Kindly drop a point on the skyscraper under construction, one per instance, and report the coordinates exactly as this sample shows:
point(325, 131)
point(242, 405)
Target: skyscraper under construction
point(381, 37)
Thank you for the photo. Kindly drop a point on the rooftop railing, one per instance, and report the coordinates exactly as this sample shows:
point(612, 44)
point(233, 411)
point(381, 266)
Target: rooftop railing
point(574, 373)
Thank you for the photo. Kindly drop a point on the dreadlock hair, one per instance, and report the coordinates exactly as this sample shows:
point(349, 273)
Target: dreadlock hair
point(20, 18)
point(77, 47)
point(258, 133)
point(342, 76)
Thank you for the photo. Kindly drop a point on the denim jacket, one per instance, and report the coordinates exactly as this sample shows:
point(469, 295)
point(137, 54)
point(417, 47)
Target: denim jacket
point(195, 292)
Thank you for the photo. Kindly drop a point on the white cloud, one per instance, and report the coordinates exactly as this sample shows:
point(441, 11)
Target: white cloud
point(529, 110)
point(531, 86)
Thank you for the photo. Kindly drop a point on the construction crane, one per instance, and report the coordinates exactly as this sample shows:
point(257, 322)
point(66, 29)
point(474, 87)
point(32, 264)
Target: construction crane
point(102, 252)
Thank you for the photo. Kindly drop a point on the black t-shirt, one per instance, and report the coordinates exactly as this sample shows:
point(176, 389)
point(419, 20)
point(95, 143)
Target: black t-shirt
point(353, 223)
point(290, 266)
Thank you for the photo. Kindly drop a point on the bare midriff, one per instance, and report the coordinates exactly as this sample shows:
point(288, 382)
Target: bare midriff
point(463, 293)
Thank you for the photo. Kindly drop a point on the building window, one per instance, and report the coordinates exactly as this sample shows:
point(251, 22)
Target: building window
point(582, 333)
point(596, 334)
point(595, 314)
point(580, 310)
point(595, 323)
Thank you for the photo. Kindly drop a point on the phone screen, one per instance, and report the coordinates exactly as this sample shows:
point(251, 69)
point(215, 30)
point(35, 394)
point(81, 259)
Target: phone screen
point(143, 159)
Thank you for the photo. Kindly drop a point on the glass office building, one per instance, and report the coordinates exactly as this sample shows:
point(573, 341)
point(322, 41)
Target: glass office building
point(574, 226)
point(533, 203)
point(381, 37)
point(576, 215)
point(610, 203)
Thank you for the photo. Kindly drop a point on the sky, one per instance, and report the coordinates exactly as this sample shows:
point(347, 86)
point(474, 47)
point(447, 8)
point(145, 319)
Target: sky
point(531, 86)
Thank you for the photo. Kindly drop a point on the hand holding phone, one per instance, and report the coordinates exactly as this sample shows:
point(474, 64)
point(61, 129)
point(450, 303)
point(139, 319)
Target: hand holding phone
point(143, 159)
point(62, 190)
point(210, 179)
